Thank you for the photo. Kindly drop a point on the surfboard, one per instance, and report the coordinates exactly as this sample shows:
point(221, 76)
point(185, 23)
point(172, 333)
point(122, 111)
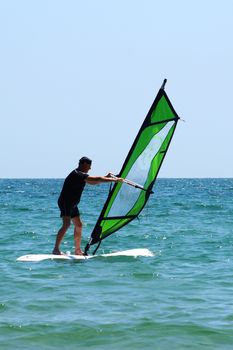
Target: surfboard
point(41, 257)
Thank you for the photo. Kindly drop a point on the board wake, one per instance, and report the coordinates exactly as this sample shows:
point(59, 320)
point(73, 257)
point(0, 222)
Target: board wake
point(40, 257)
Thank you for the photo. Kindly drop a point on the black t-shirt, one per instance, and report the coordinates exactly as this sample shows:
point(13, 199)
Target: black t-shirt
point(73, 187)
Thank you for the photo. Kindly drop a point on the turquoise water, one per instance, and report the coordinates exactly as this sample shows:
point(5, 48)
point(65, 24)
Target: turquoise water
point(182, 298)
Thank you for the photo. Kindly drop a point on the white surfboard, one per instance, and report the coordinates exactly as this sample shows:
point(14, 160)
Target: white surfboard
point(40, 257)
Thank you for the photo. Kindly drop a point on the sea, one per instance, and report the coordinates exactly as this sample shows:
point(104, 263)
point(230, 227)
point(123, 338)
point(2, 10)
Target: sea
point(180, 298)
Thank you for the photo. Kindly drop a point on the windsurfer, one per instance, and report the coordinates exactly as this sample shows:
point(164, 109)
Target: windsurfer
point(70, 197)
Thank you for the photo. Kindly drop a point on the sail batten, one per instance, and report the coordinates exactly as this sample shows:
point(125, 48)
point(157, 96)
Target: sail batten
point(141, 166)
point(120, 217)
point(164, 121)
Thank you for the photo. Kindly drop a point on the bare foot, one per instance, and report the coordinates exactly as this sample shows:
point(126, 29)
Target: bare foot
point(57, 252)
point(79, 252)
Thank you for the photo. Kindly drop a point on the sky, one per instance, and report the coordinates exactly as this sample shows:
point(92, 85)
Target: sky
point(77, 78)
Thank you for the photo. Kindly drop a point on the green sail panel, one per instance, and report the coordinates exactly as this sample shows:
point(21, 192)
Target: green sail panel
point(141, 166)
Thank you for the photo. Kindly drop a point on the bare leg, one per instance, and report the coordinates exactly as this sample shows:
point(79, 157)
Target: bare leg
point(61, 234)
point(77, 235)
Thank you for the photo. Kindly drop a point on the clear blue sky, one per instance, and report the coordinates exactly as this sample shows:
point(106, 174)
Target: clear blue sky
point(78, 77)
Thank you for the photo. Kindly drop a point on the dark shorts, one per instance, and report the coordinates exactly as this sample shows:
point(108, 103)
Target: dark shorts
point(68, 209)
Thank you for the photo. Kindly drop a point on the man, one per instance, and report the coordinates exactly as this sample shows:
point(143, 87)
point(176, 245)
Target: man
point(69, 198)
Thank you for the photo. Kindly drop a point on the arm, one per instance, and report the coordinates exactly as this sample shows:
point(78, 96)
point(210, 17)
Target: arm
point(96, 180)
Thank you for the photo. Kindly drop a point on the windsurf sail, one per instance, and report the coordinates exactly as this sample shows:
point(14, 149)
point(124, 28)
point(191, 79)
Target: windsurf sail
point(140, 169)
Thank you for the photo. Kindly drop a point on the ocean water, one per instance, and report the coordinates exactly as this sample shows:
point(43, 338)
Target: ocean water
point(182, 298)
